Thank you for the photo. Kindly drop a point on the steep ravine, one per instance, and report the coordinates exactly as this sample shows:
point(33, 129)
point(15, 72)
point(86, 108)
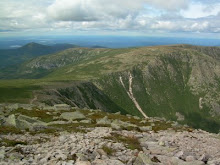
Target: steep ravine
point(80, 95)
point(172, 85)
point(131, 95)
point(144, 91)
point(183, 84)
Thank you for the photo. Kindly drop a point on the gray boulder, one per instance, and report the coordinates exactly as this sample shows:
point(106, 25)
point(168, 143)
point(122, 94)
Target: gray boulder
point(118, 124)
point(104, 120)
point(86, 121)
point(26, 122)
point(1, 110)
point(142, 159)
point(175, 160)
point(23, 124)
point(72, 115)
point(10, 121)
point(2, 120)
point(2, 153)
point(146, 128)
point(62, 107)
point(12, 107)
point(107, 162)
point(57, 122)
point(136, 117)
point(82, 163)
point(214, 162)
point(179, 116)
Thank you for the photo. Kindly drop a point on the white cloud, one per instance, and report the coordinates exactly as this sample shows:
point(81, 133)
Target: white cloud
point(111, 15)
point(92, 10)
point(198, 10)
point(169, 4)
point(22, 15)
point(164, 25)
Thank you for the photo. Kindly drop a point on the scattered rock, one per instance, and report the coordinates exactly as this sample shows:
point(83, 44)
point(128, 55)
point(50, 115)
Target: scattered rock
point(107, 162)
point(179, 116)
point(25, 122)
point(85, 121)
point(70, 116)
point(136, 117)
point(164, 147)
point(142, 159)
point(179, 154)
point(62, 107)
point(161, 143)
point(82, 163)
point(2, 153)
point(118, 124)
point(146, 128)
point(204, 158)
point(214, 162)
point(101, 152)
point(103, 121)
point(190, 158)
point(57, 122)
point(2, 121)
point(10, 121)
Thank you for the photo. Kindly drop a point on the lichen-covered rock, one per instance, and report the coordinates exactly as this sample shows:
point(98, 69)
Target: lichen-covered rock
point(142, 159)
point(2, 153)
point(57, 122)
point(146, 128)
point(85, 121)
point(23, 124)
point(26, 122)
point(62, 107)
point(10, 121)
point(103, 120)
point(118, 124)
point(72, 115)
point(107, 162)
point(82, 163)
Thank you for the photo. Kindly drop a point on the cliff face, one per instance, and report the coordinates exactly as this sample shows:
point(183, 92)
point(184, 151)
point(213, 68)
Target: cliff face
point(169, 85)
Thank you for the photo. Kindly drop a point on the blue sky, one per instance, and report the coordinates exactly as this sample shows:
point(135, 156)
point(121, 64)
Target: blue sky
point(182, 18)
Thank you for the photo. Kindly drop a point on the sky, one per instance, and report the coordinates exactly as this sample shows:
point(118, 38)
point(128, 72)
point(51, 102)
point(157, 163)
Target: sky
point(182, 18)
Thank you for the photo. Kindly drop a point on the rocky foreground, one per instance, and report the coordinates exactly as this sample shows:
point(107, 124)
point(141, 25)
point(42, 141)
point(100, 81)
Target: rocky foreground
point(90, 137)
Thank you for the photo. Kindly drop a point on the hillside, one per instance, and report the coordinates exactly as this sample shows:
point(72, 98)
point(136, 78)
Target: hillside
point(10, 59)
point(177, 82)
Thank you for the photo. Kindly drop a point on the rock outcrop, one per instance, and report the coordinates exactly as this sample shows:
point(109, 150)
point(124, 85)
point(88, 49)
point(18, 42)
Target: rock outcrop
point(90, 137)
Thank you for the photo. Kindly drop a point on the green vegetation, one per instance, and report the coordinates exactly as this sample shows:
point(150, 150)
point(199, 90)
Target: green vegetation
point(161, 126)
point(6, 130)
point(108, 150)
point(11, 58)
point(11, 143)
point(51, 130)
point(166, 80)
point(41, 114)
point(163, 93)
point(130, 142)
point(13, 95)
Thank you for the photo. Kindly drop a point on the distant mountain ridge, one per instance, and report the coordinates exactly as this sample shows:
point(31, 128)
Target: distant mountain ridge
point(11, 57)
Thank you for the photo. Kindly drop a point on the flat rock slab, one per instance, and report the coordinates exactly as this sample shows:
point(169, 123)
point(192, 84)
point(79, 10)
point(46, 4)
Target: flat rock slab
point(72, 115)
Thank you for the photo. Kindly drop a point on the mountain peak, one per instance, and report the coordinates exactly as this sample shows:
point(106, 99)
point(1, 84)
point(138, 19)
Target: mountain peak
point(32, 45)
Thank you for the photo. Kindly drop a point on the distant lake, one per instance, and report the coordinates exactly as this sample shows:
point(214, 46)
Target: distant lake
point(105, 41)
